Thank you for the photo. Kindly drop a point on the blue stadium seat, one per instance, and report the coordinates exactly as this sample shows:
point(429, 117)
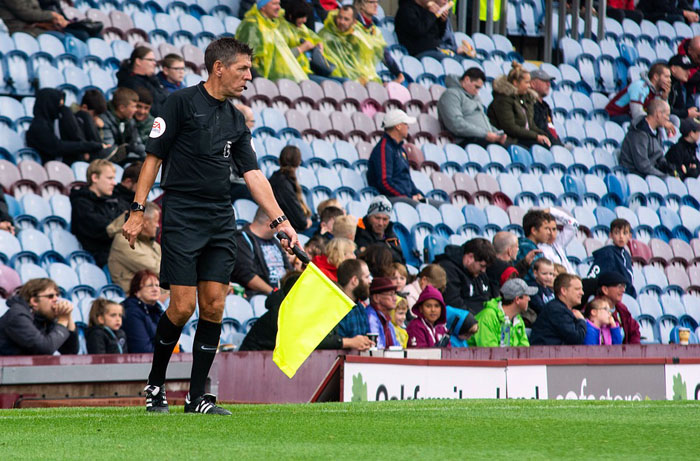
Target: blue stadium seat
point(238, 312)
point(346, 151)
point(245, 209)
point(422, 182)
point(18, 72)
point(475, 217)
point(452, 217)
point(429, 214)
point(11, 110)
point(92, 276)
point(37, 245)
point(67, 245)
point(405, 214)
point(29, 271)
point(433, 245)
point(64, 276)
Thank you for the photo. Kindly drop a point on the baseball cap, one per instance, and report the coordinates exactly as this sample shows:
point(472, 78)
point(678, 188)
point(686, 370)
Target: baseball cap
point(541, 75)
point(688, 125)
point(681, 61)
point(610, 279)
point(517, 287)
point(395, 117)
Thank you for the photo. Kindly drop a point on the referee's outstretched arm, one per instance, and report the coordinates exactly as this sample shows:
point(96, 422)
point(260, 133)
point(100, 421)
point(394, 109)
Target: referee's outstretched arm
point(262, 193)
point(132, 227)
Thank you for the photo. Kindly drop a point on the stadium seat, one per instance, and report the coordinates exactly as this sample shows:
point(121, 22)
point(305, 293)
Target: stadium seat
point(238, 312)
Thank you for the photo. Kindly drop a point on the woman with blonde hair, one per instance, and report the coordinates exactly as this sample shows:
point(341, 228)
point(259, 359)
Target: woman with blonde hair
point(288, 191)
point(512, 109)
point(337, 251)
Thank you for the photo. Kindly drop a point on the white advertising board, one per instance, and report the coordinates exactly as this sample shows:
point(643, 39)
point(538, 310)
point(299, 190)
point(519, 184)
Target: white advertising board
point(683, 382)
point(378, 381)
point(527, 382)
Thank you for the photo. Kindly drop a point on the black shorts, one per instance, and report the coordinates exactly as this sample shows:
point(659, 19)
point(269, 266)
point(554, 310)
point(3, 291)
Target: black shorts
point(197, 242)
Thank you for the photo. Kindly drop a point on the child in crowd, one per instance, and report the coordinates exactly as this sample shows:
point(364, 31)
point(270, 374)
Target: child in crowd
point(428, 327)
point(433, 275)
point(398, 318)
point(345, 227)
point(326, 203)
point(327, 219)
point(682, 157)
point(615, 257)
point(601, 328)
point(544, 281)
point(105, 335)
point(461, 325)
point(315, 246)
point(559, 269)
point(399, 276)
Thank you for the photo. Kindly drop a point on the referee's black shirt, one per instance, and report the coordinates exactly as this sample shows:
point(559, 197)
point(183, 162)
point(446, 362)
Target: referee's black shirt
point(199, 138)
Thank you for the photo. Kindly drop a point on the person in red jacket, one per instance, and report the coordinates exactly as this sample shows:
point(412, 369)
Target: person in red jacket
point(337, 251)
point(623, 9)
point(431, 317)
point(611, 286)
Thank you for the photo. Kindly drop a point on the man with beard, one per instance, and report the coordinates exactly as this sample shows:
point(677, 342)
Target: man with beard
point(353, 277)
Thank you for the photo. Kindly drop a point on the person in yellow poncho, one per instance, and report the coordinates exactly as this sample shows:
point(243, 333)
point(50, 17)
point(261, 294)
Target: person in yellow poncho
point(366, 11)
point(273, 58)
point(300, 38)
point(354, 51)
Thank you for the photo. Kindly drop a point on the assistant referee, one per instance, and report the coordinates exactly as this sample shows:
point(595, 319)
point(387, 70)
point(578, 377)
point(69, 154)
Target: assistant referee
point(198, 138)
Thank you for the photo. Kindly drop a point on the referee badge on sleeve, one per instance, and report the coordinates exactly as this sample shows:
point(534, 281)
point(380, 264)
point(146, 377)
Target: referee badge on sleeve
point(158, 128)
point(227, 149)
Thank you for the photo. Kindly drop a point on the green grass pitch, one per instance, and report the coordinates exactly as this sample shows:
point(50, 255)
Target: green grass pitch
point(409, 430)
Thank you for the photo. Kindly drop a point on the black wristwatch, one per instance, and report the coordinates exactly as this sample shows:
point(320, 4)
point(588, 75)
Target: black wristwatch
point(136, 206)
point(277, 222)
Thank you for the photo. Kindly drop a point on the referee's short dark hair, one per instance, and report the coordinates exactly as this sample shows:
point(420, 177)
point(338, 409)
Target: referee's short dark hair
point(225, 49)
point(474, 73)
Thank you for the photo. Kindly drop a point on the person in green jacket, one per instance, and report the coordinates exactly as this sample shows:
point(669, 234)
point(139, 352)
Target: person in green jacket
point(500, 323)
point(513, 108)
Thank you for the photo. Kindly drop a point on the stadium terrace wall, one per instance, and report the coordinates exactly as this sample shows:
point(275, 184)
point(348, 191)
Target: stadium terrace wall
point(252, 377)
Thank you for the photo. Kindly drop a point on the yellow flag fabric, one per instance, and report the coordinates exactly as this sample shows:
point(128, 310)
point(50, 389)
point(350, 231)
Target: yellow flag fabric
point(312, 308)
point(496, 10)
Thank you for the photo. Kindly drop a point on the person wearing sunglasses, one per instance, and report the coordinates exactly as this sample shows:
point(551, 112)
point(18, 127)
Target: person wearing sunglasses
point(38, 322)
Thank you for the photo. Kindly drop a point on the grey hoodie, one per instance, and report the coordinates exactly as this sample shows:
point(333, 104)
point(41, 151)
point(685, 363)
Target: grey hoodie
point(642, 150)
point(462, 114)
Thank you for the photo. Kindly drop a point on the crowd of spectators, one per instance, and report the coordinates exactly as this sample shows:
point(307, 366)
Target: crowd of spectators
point(481, 293)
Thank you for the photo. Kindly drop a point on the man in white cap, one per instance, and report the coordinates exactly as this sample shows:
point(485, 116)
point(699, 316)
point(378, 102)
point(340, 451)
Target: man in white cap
point(388, 170)
point(376, 227)
point(541, 83)
point(500, 322)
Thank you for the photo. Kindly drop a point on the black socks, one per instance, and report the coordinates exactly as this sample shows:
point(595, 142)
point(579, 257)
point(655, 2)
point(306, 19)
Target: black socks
point(206, 342)
point(167, 335)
